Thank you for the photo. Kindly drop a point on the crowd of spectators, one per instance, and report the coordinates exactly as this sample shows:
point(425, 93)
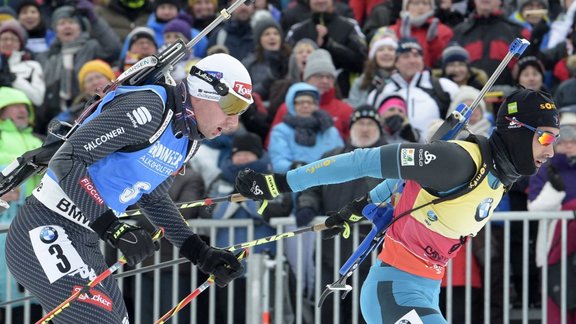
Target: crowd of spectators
point(325, 73)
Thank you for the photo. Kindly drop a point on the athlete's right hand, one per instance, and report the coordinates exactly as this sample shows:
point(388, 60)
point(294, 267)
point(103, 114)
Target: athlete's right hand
point(134, 242)
point(259, 186)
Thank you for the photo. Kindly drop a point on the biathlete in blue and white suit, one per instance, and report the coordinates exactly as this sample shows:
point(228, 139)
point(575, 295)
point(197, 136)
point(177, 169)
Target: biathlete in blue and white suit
point(125, 153)
point(451, 189)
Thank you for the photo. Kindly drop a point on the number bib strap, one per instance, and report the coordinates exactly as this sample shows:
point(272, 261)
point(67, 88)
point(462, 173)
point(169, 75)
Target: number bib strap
point(55, 252)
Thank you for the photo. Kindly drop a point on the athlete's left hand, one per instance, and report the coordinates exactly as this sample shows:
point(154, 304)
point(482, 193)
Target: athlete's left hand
point(339, 222)
point(221, 263)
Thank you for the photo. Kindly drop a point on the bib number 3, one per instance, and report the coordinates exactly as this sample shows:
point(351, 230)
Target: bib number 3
point(54, 251)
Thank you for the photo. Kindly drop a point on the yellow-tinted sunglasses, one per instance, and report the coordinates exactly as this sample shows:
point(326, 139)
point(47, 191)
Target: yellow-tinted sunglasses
point(544, 137)
point(231, 102)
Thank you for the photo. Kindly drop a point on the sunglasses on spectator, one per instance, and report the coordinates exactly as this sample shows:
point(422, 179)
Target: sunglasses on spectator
point(544, 137)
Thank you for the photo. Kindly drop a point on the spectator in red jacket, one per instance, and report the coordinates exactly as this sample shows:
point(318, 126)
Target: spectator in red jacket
point(417, 20)
point(486, 35)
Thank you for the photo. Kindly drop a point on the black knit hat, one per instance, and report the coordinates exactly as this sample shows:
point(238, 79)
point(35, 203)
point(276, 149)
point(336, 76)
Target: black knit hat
point(525, 62)
point(248, 142)
point(454, 53)
point(175, 3)
point(264, 24)
point(365, 111)
point(533, 108)
point(140, 32)
point(26, 3)
point(408, 44)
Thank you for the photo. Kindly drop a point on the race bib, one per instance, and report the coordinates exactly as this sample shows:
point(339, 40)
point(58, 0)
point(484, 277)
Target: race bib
point(55, 252)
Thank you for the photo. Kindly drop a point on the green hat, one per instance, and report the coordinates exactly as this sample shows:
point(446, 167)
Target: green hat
point(10, 96)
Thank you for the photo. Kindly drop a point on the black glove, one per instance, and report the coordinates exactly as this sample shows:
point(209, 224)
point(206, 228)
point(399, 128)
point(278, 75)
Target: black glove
point(134, 242)
point(86, 8)
point(6, 76)
point(220, 263)
point(304, 216)
point(259, 186)
point(555, 179)
point(339, 222)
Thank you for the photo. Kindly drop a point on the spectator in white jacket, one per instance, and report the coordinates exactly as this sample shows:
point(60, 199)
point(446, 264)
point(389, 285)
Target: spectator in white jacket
point(427, 97)
point(17, 69)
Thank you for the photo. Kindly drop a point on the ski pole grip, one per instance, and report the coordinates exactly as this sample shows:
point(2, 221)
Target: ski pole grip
point(237, 198)
point(319, 227)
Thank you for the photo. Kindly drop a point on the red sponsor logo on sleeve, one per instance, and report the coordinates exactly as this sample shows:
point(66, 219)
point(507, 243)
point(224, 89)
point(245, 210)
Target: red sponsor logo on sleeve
point(91, 190)
point(96, 298)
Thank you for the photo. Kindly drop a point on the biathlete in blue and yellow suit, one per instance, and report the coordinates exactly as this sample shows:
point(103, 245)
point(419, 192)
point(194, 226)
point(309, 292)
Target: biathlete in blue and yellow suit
point(451, 190)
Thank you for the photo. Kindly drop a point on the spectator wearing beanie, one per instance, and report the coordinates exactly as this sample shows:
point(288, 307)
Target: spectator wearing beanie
point(529, 73)
point(378, 67)
point(366, 127)
point(269, 61)
point(456, 67)
point(17, 70)
point(140, 43)
point(39, 35)
point(305, 133)
point(6, 14)
point(321, 73)
point(73, 47)
point(124, 15)
point(164, 11)
point(181, 27)
point(394, 120)
point(93, 77)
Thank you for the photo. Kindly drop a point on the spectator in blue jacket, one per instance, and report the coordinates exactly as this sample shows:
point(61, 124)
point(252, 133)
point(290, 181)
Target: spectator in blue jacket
point(305, 133)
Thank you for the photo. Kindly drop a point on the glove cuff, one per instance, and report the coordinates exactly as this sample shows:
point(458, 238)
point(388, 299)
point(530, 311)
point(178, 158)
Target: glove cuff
point(193, 248)
point(282, 183)
point(103, 223)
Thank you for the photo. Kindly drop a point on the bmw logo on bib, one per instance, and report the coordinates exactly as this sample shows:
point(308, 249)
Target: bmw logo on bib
point(48, 235)
point(483, 210)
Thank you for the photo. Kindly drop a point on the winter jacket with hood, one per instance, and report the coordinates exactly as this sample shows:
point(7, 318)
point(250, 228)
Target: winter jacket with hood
point(284, 150)
point(13, 143)
point(338, 109)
